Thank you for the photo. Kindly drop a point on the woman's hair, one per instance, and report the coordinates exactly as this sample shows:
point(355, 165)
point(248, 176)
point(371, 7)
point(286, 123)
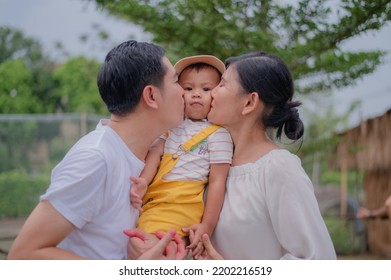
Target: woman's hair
point(269, 76)
point(126, 71)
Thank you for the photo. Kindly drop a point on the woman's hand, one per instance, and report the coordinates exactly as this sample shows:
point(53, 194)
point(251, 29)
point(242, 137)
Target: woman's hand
point(210, 253)
point(195, 233)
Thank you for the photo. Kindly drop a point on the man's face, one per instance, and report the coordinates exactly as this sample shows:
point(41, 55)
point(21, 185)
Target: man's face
point(172, 106)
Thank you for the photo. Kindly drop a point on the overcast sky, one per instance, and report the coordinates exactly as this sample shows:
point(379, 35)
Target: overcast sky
point(64, 21)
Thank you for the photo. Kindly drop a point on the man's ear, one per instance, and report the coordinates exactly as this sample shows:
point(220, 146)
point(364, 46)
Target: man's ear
point(149, 96)
point(252, 102)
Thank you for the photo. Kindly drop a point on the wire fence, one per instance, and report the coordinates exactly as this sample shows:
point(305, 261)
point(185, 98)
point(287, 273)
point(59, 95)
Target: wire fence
point(31, 142)
point(30, 146)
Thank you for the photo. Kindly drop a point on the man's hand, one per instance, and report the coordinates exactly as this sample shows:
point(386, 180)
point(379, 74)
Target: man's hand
point(142, 245)
point(174, 250)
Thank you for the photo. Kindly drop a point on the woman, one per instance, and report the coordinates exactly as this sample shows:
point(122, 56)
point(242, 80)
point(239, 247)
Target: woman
point(269, 211)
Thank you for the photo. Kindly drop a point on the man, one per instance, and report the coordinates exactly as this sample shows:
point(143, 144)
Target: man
point(86, 207)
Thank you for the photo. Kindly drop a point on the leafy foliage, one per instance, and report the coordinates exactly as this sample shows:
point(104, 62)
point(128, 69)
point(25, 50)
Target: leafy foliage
point(307, 34)
point(320, 141)
point(16, 95)
point(14, 45)
point(20, 192)
point(25, 75)
point(76, 86)
point(32, 83)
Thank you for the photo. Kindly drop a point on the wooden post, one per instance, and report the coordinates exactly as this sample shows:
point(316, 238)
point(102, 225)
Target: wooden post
point(83, 123)
point(344, 185)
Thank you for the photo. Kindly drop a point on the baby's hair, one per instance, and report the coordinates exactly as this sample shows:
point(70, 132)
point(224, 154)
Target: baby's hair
point(199, 66)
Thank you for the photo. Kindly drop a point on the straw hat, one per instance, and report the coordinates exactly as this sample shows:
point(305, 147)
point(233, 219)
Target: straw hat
point(207, 59)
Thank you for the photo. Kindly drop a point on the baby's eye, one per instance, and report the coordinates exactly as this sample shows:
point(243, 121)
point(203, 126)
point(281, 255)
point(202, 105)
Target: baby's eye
point(188, 88)
point(206, 89)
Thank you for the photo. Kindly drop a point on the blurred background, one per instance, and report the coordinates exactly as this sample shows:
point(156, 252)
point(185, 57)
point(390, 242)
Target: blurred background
point(339, 52)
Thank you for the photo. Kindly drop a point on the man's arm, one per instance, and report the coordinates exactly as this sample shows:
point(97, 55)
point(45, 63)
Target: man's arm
point(45, 228)
point(39, 236)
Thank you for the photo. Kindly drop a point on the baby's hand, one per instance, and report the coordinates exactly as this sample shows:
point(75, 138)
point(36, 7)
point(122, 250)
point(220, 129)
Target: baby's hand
point(195, 233)
point(137, 191)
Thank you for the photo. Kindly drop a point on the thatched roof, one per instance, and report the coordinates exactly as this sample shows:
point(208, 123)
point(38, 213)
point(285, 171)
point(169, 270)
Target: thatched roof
point(367, 147)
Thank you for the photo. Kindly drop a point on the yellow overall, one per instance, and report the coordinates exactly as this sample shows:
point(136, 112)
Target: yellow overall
point(174, 204)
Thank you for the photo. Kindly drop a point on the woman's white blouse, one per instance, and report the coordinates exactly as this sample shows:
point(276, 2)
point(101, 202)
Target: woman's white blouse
point(270, 212)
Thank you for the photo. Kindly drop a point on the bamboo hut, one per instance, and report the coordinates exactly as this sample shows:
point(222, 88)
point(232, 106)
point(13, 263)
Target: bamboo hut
point(367, 148)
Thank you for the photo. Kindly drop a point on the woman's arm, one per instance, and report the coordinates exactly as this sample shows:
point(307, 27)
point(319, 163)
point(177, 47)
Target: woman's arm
point(294, 211)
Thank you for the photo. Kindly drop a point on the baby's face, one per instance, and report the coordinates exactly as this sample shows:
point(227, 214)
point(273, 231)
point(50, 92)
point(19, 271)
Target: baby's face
point(197, 85)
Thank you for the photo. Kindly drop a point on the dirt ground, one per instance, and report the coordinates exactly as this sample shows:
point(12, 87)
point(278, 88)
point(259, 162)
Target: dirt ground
point(9, 228)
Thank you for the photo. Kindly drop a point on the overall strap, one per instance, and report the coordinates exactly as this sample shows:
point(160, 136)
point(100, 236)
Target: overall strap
point(169, 160)
point(196, 139)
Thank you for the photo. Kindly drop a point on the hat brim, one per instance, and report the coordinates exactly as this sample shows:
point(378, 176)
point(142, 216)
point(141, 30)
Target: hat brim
point(207, 59)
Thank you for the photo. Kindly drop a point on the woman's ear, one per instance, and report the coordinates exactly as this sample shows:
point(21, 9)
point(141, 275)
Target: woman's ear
point(149, 96)
point(252, 103)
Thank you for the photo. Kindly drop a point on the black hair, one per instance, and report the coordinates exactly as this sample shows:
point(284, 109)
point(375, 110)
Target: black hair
point(199, 66)
point(270, 77)
point(127, 70)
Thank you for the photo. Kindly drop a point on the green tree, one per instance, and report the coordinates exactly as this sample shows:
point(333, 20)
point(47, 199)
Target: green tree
point(307, 34)
point(321, 139)
point(16, 95)
point(76, 86)
point(14, 46)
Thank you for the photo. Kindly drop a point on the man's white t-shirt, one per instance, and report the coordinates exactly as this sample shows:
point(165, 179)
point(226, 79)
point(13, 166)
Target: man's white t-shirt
point(90, 188)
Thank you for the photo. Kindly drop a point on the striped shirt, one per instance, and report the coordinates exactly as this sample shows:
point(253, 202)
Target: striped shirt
point(195, 164)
